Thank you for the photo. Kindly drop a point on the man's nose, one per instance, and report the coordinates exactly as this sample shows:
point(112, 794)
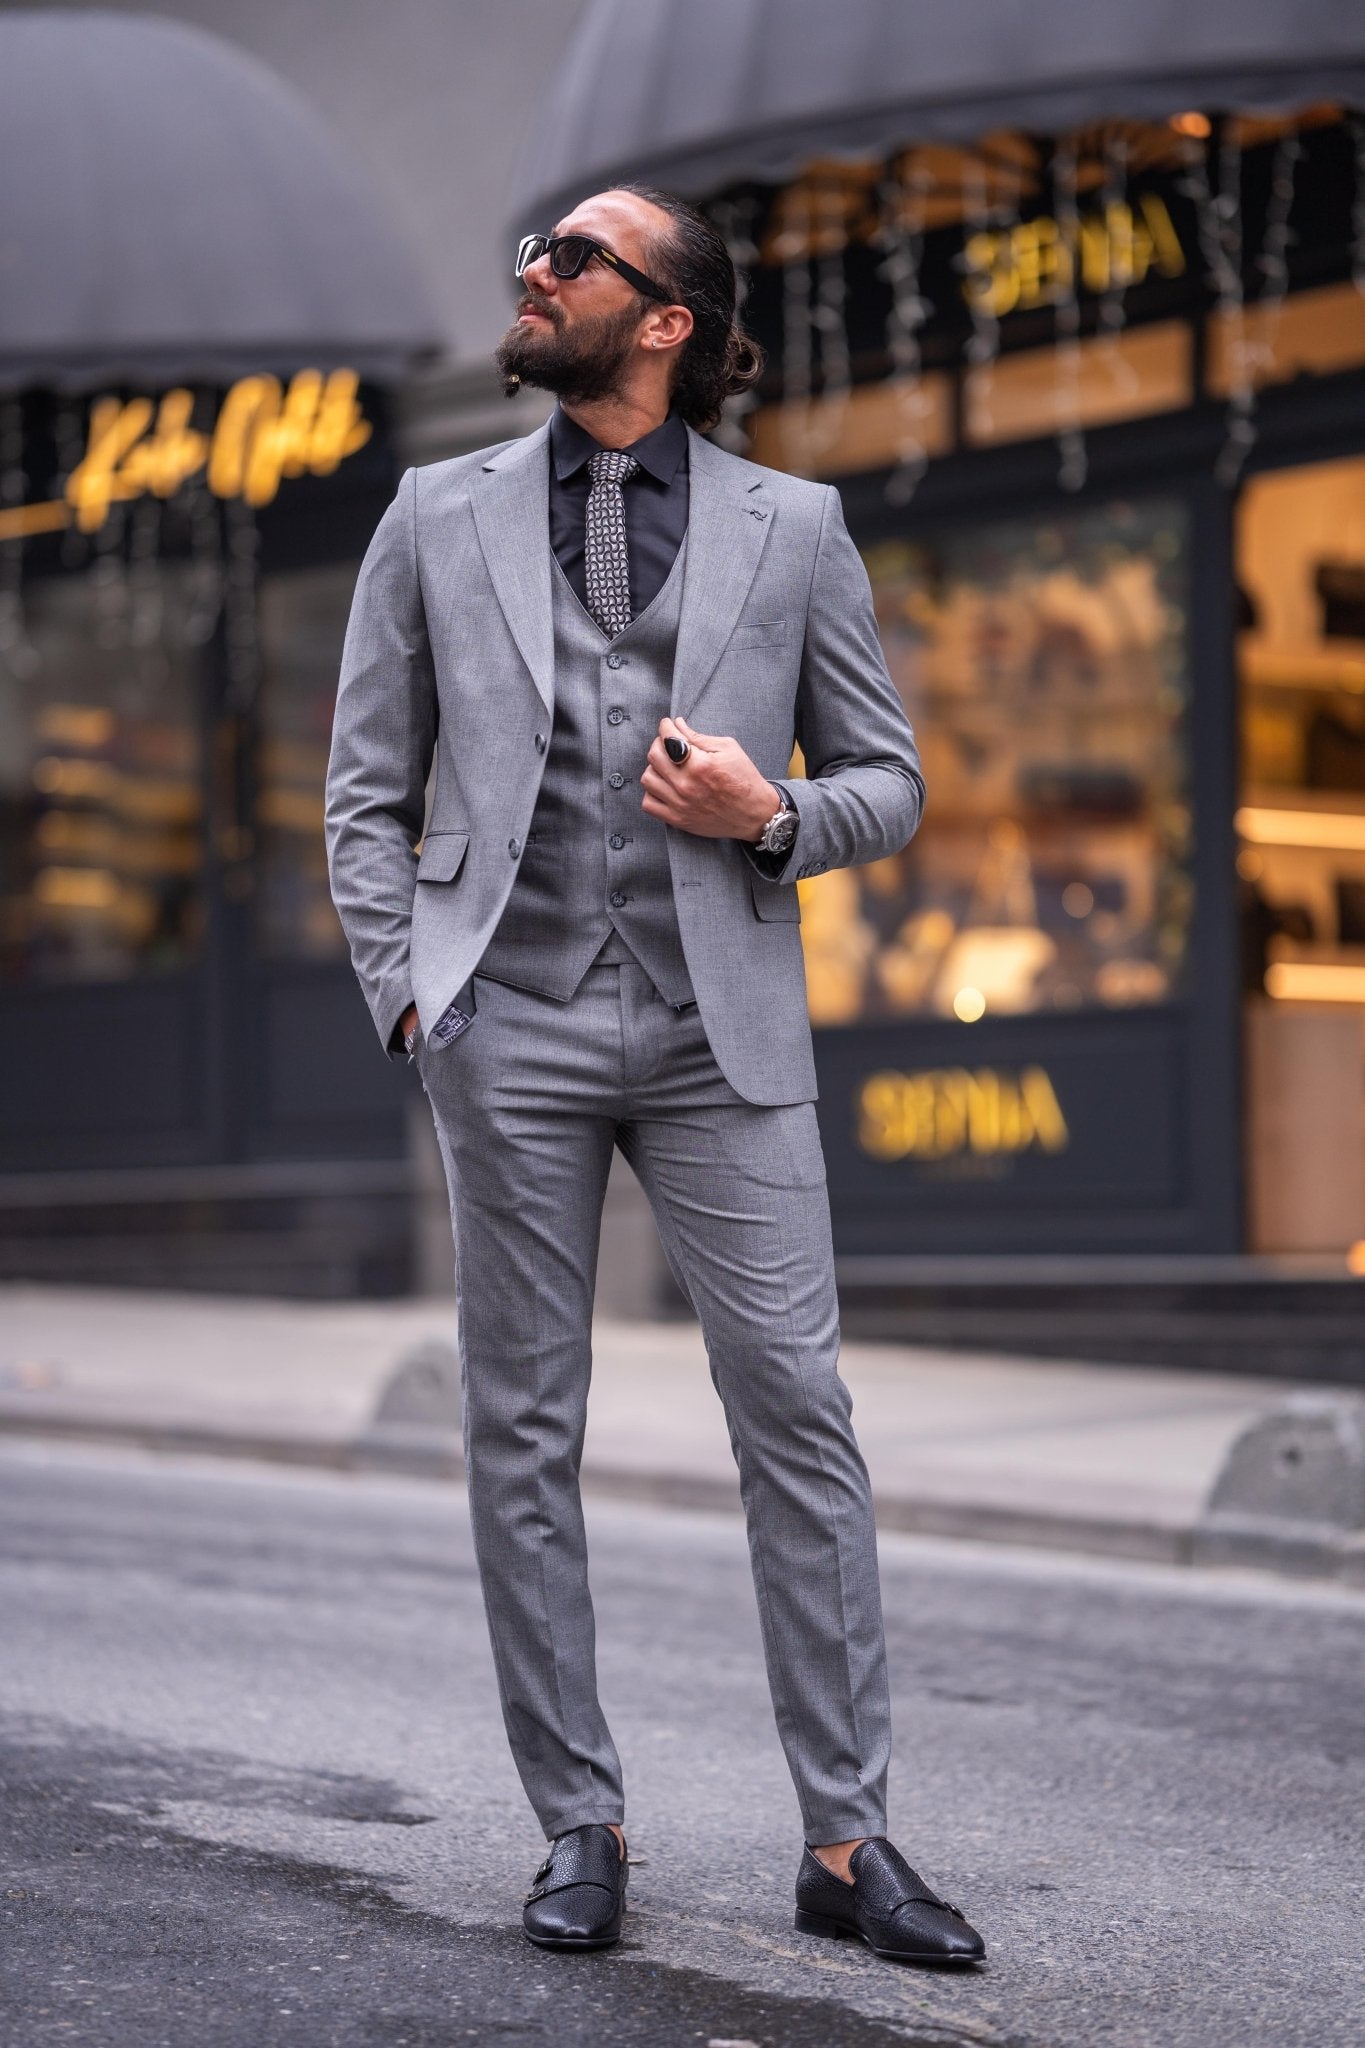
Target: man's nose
point(540, 277)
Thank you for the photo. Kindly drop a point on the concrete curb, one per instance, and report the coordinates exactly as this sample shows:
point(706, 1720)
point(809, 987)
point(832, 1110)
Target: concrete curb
point(426, 1453)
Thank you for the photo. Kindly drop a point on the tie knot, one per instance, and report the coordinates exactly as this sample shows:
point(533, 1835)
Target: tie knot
point(612, 466)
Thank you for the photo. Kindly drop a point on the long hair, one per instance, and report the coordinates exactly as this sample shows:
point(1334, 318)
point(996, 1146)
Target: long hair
point(718, 360)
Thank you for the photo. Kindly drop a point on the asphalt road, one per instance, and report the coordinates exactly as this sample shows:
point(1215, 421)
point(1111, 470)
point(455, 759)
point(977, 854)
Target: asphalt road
point(253, 1790)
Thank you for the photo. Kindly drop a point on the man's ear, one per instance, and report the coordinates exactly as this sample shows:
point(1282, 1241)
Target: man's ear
point(668, 327)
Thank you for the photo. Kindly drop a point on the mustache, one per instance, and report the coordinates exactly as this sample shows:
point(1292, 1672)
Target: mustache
point(532, 302)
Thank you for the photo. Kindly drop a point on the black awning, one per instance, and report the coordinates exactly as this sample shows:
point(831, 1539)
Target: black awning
point(170, 209)
point(698, 94)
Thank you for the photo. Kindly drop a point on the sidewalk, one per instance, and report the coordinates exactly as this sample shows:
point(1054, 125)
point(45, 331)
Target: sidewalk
point(1091, 1458)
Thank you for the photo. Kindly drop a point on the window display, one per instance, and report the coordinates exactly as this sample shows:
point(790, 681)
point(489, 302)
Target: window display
point(1043, 664)
point(101, 800)
point(1301, 858)
point(303, 624)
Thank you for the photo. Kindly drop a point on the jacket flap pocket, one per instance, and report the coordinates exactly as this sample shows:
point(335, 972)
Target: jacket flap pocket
point(442, 856)
point(776, 902)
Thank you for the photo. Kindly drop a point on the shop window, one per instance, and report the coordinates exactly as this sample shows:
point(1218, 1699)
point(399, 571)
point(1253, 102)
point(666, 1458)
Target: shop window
point(101, 802)
point(303, 625)
point(1043, 663)
point(1301, 864)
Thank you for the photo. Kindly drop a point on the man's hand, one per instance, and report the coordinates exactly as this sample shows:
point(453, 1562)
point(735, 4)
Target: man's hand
point(717, 792)
point(407, 1021)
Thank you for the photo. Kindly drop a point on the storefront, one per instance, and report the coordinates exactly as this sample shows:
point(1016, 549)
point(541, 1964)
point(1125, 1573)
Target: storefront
point(200, 331)
point(1080, 335)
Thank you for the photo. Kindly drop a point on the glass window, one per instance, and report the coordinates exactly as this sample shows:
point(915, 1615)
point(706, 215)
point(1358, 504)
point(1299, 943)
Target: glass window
point(303, 625)
point(1301, 858)
point(1043, 663)
point(101, 803)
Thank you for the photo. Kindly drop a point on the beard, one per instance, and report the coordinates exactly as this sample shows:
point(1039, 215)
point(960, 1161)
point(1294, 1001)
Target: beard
point(586, 365)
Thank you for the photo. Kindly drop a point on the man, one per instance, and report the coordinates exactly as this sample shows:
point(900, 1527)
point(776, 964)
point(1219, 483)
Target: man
point(608, 636)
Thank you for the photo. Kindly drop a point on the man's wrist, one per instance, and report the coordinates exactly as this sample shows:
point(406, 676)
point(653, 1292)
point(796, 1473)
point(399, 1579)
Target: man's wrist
point(773, 803)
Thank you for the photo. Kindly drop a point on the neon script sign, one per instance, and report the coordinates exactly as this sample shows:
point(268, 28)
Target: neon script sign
point(264, 431)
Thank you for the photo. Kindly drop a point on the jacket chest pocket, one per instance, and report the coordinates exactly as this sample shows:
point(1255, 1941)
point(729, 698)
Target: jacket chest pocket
point(442, 856)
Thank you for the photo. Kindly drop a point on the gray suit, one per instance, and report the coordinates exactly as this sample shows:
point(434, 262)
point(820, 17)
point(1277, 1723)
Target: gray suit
point(657, 1006)
point(451, 651)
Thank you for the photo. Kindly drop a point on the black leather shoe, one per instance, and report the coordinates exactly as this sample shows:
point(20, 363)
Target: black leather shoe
point(888, 1905)
point(578, 1894)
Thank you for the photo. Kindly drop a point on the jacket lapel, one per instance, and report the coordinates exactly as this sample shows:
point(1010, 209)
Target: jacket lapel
point(511, 502)
point(728, 518)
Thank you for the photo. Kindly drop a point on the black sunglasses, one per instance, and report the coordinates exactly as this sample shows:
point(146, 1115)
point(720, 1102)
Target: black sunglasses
point(570, 255)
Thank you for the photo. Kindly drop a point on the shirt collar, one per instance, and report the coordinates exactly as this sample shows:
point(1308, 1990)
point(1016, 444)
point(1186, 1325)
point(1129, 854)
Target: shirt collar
point(662, 451)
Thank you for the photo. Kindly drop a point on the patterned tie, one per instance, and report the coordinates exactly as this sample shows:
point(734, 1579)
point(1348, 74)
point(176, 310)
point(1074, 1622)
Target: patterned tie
point(608, 558)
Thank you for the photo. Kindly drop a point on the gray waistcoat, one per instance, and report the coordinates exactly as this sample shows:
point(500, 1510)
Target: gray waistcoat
point(595, 867)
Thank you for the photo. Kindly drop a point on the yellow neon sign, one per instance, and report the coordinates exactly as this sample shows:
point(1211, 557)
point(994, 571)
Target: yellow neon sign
point(949, 1110)
point(1033, 263)
point(264, 431)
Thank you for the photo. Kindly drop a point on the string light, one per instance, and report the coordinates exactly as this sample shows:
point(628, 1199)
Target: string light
point(1357, 124)
point(983, 345)
point(734, 220)
point(1220, 225)
point(829, 318)
point(1113, 309)
point(239, 620)
point(1074, 465)
point(16, 650)
point(901, 234)
point(1273, 261)
point(797, 332)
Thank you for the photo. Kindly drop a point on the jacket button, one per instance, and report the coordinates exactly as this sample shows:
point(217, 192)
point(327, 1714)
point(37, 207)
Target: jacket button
point(615, 715)
point(616, 842)
point(615, 660)
point(540, 743)
point(514, 847)
point(617, 900)
point(617, 779)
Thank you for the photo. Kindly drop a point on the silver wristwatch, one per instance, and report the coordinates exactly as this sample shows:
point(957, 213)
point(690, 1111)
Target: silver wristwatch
point(780, 830)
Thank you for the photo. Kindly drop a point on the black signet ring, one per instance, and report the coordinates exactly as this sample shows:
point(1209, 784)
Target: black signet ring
point(677, 750)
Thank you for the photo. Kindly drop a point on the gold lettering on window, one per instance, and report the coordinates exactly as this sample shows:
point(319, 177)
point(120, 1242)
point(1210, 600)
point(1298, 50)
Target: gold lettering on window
point(984, 1111)
point(1032, 263)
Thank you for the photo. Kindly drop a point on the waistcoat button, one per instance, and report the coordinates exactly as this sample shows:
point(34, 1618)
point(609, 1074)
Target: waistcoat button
point(615, 715)
point(618, 901)
point(514, 847)
point(617, 779)
point(616, 842)
point(615, 660)
point(540, 743)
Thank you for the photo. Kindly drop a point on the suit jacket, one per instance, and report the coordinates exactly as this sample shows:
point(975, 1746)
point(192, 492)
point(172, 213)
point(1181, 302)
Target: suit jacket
point(449, 656)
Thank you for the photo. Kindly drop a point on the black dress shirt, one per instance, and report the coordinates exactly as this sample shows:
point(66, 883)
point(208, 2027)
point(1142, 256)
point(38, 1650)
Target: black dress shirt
point(656, 503)
point(655, 500)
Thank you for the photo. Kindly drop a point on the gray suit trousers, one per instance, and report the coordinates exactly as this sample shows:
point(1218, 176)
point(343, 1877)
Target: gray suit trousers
point(528, 1105)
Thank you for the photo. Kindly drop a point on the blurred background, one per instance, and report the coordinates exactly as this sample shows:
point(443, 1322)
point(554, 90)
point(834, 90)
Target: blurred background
point(1069, 304)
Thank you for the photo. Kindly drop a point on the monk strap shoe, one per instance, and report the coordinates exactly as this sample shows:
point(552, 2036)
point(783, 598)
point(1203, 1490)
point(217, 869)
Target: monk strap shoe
point(888, 1905)
point(578, 1894)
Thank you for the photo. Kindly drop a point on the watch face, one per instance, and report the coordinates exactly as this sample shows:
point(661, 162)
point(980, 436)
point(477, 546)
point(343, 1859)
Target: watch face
point(782, 831)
